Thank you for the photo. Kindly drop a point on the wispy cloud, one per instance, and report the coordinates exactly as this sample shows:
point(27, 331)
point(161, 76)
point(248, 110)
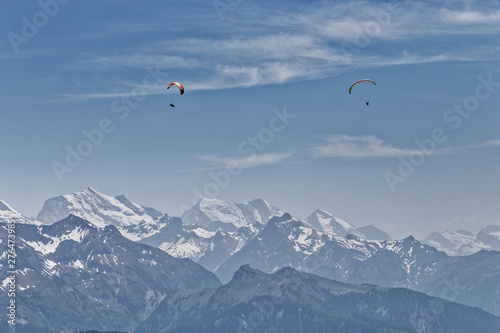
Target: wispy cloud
point(471, 17)
point(370, 146)
point(134, 60)
point(365, 146)
point(322, 40)
point(244, 162)
point(479, 145)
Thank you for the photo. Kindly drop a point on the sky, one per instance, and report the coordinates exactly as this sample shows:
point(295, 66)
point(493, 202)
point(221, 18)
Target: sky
point(266, 111)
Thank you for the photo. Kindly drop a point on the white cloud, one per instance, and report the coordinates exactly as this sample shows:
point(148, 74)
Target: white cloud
point(471, 17)
point(370, 146)
point(483, 144)
point(323, 40)
point(135, 60)
point(365, 146)
point(244, 162)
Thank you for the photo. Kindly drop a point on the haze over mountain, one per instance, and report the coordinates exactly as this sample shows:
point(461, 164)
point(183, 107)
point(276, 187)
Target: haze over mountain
point(214, 214)
point(285, 241)
point(216, 229)
point(232, 235)
point(292, 301)
point(7, 213)
point(206, 247)
point(330, 224)
point(140, 222)
point(461, 242)
point(58, 256)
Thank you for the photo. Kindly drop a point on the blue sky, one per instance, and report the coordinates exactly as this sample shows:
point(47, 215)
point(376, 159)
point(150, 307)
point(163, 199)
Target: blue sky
point(80, 66)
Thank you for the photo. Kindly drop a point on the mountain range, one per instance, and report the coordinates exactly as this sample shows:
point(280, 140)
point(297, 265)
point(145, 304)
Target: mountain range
point(208, 233)
point(222, 237)
point(73, 275)
point(461, 242)
point(140, 222)
point(134, 221)
point(206, 247)
point(330, 224)
point(214, 214)
point(407, 263)
point(292, 301)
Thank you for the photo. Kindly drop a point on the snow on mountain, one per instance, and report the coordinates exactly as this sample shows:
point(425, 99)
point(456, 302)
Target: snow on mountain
point(134, 221)
point(49, 244)
point(207, 211)
point(326, 222)
point(407, 263)
point(487, 238)
point(216, 214)
point(259, 210)
point(205, 247)
point(286, 241)
point(461, 242)
point(7, 212)
point(75, 276)
point(449, 241)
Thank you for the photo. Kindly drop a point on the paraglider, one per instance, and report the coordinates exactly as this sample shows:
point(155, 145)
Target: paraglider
point(173, 93)
point(364, 86)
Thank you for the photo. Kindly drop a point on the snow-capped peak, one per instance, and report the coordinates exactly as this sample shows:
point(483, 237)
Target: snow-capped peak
point(7, 212)
point(218, 210)
point(6, 206)
point(213, 213)
point(327, 222)
point(133, 220)
point(463, 242)
point(72, 228)
point(263, 211)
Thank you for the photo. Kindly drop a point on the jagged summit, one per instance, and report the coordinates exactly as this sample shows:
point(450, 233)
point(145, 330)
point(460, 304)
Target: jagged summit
point(86, 270)
point(218, 214)
point(7, 212)
point(462, 242)
point(327, 222)
point(133, 220)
